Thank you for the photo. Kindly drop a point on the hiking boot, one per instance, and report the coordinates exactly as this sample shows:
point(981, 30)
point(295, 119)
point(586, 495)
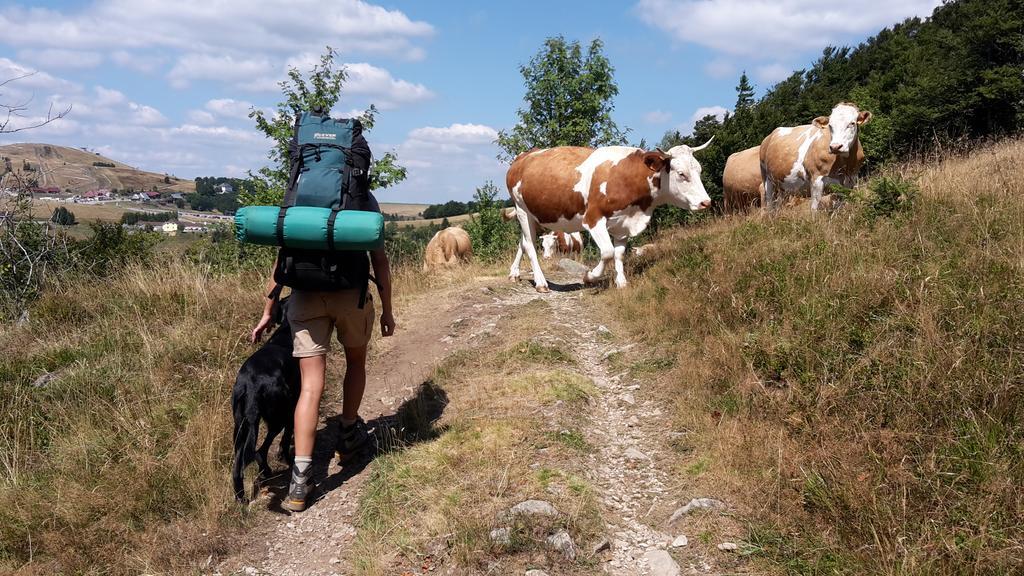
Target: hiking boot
point(353, 440)
point(298, 492)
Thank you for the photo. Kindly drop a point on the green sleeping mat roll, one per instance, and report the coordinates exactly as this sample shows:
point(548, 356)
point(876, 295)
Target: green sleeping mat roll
point(306, 227)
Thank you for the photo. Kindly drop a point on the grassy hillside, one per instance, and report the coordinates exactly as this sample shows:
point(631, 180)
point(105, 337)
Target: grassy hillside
point(856, 380)
point(72, 168)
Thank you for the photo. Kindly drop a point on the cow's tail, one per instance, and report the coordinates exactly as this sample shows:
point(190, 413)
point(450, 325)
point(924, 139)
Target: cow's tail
point(509, 214)
point(245, 442)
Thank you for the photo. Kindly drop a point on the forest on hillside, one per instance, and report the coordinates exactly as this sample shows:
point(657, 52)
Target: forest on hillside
point(958, 75)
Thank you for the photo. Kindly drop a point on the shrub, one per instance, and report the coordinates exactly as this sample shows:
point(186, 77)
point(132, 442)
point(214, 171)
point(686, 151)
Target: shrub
point(490, 233)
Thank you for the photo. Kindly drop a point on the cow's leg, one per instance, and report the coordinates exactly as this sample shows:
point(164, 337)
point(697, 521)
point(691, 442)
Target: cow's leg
point(529, 228)
point(599, 232)
point(769, 194)
point(817, 187)
point(513, 271)
point(620, 251)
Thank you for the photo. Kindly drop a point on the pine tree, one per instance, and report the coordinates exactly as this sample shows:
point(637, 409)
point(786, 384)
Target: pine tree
point(744, 94)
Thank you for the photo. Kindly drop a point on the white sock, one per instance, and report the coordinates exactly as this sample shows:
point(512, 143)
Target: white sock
point(302, 465)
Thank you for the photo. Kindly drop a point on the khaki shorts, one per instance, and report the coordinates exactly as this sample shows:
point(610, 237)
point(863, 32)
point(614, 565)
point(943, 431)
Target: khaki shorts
point(313, 316)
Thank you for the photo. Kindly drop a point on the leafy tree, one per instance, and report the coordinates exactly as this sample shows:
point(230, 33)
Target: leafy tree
point(320, 88)
point(490, 233)
point(63, 217)
point(568, 100)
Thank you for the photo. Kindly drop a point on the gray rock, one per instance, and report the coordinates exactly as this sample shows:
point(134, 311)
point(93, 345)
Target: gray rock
point(680, 541)
point(601, 545)
point(661, 563)
point(533, 508)
point(536, 573)
point(23, 320)
point(728, 547)
point(501, 536)
point(561, 542)
point(572, 267)
point(634, 454)
point(44, 380)
point(697, 504)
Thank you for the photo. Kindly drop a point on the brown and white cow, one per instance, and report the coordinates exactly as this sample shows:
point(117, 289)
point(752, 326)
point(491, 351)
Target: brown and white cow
point(448, 247)
point(804, 159)
point(742, 186)
point(561, 243)
point(611, 192)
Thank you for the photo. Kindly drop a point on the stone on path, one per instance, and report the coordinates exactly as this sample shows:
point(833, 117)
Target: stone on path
point(501, 536)
point(602, 545)
point(680, 541)
point(572, 267)
point(533, 508)
point(536, 573)
point(661, 563)
point(697, 504)
point(728, 547)
point(561, 542)
point(634, 454)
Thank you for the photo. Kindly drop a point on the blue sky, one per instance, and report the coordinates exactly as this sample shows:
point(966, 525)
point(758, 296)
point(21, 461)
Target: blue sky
point(165, 86)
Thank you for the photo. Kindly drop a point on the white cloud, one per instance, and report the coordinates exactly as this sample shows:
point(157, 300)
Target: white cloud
point(774, 28)
point(143, 115)
point(223, 68)
point(698, 114)
point(456, 134)
point(441, 160)
point(366, 79)
point(772, 73)
point(227, 26)
point(657, 117)
point(108, 97)
point(200, 117)
point(229, 108)
point(30, 79)
point(59, 58)
point(138, 61)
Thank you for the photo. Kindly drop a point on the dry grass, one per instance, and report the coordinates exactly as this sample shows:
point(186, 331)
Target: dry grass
point(119, 464)
point(437, 501)
point(854, 382)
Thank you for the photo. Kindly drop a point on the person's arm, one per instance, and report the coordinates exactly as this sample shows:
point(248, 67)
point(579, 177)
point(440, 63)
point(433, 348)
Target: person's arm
point(382, 272)
point(268, 307)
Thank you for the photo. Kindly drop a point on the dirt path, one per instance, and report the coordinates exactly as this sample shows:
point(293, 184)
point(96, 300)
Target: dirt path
point(625, 423)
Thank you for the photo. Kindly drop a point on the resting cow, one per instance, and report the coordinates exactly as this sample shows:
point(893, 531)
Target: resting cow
point(561, 243)
point(611, 192)
point(742, 187)
point(804, 159)
point(448, 247)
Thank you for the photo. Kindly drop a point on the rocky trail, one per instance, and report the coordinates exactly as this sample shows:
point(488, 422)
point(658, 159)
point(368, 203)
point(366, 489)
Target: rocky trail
point(648, 525)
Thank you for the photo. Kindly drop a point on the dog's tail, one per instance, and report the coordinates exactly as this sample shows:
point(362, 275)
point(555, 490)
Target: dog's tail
point(245, 440)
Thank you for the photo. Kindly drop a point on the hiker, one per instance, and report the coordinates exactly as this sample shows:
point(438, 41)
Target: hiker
point(315, 314)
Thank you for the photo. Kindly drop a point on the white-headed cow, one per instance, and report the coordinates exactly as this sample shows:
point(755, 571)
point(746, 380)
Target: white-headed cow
point(805, 159)
point(611, 192)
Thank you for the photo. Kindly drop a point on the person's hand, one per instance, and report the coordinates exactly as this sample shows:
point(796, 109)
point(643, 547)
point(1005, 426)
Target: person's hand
point(387, 324)
point(263, 324)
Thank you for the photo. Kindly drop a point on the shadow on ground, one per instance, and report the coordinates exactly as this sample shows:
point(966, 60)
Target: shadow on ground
point(412, 423)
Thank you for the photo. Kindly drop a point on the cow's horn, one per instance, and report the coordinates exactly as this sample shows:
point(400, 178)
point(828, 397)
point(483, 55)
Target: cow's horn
point(662, 151)
point(703, 146)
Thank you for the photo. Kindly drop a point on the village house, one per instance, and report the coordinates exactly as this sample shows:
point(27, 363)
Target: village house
point(170, 228)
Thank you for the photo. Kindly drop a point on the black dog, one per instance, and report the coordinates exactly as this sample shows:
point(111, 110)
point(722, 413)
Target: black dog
point(267, 388)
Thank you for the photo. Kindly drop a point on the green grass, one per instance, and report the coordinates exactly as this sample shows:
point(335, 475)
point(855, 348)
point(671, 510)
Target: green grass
point(856, 377)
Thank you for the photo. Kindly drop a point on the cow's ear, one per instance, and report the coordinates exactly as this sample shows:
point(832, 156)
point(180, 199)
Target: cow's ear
point(864, 117)
point(821, 121)
point(656, 160)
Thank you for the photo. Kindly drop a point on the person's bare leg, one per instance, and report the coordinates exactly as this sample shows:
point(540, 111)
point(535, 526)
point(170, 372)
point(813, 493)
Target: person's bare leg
point(307, 415)
point(354, 384)
point(307, 411)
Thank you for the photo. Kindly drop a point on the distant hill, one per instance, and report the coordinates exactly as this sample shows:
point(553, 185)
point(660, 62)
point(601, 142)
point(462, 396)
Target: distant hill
point(77, 170)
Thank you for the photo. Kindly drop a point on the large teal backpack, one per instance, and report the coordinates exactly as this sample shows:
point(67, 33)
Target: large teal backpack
point(329, 163)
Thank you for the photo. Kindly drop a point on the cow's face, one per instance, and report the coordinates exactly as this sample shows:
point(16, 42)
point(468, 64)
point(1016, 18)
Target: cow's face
point(548, 242)
point(680, 176)
point(843, 125)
